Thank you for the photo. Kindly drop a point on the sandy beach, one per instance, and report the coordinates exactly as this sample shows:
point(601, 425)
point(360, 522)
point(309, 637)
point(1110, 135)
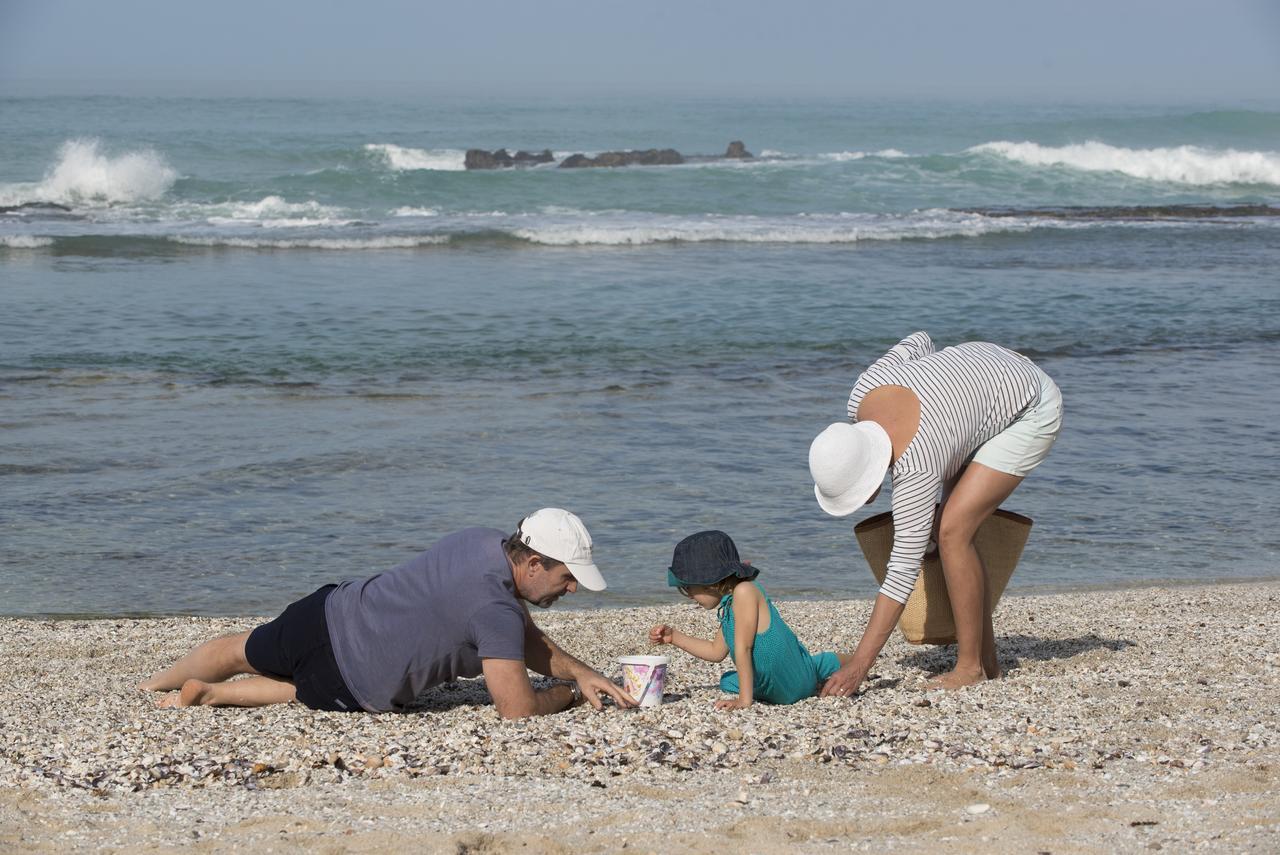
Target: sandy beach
point(1127, 720)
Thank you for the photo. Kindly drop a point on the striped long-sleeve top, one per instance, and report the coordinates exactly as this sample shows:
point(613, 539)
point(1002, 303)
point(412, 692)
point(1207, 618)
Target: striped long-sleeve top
point(968, 393)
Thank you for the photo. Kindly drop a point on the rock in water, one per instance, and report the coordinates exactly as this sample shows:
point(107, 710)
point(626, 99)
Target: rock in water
point(478, 158)
point(647, 157)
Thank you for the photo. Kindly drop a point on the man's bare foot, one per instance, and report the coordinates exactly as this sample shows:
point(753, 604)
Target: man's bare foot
point(992, 670)
point(192, 693)
point(956, 679)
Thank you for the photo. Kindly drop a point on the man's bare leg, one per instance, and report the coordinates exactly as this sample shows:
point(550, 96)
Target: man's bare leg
point(211, 662)
point(249, 692)
point(977, 494)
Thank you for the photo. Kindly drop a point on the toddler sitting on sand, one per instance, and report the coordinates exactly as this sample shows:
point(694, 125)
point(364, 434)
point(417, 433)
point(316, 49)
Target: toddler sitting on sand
point(773, 666)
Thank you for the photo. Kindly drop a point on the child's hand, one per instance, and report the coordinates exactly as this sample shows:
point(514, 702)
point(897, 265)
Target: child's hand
point(661, 634)
point(733, 704)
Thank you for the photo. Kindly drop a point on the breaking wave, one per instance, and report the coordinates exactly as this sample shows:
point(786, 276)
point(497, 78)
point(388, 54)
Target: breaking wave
point(270, 212)
point(84, 175)
point(804, 228)
point(402, 159)
point(25, 241)
point(841, 156)
point(1182, 164)
point(385, 242)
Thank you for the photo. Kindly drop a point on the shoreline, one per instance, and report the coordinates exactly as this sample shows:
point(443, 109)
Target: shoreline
point(1143, 719)
point(1034, 590)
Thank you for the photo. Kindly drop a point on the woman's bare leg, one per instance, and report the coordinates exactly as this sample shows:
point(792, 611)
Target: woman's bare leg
point(211, 662)
point(249, 692)
point(976, 495)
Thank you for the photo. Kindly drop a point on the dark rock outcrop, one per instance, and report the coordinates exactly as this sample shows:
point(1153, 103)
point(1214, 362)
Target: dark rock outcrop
point(647, 157)
point(478, 158)
point(34, 207)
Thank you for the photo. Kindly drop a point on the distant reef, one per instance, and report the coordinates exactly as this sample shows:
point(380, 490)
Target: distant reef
point(29, 207)
point(478, 158)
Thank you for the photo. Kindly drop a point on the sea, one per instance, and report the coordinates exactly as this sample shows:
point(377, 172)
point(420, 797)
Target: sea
point(252, 345)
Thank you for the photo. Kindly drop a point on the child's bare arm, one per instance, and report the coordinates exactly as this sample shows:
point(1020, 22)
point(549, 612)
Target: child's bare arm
point(712, 650)
point(746, 611)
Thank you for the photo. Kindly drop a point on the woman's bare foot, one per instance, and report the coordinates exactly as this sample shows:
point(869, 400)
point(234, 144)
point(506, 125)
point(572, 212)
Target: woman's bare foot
point(956, 679)
point(193, 693)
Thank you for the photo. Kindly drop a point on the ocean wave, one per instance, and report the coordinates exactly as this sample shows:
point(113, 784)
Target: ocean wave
point(841, 156)
point(85, 176)
point(270, 212)
point(1137, 213)
point(804, 228)
point(1182, 164)
point(402, 159)
point(407, 211)
point(562, 226)
point(384, 242)
point(25, 241)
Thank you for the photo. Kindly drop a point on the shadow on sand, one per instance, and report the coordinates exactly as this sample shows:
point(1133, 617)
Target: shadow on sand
point(472, 693)
point(1015, 648)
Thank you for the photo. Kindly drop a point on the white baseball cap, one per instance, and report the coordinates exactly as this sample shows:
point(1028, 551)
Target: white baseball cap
point(559, 534)
point(848, 463)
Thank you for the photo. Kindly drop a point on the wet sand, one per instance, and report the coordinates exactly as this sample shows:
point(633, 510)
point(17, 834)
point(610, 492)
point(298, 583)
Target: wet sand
point(1127, 720)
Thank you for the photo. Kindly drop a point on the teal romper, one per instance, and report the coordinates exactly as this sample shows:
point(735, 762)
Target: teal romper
point(785, 672)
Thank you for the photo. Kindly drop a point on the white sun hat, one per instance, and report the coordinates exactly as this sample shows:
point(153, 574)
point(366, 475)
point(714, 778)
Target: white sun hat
point(559, 534)
point(848, 463)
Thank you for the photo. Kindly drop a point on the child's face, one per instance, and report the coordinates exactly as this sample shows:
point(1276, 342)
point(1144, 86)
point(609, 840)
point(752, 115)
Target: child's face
point(703, 595)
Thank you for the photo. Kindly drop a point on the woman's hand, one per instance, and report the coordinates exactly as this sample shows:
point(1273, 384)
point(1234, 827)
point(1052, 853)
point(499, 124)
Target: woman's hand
point(845, 682)
point(661, 634)
point(733, 704)
point(854, 667)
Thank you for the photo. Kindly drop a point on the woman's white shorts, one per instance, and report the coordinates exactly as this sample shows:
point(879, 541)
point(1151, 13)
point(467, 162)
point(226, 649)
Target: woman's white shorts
point(1021, 446)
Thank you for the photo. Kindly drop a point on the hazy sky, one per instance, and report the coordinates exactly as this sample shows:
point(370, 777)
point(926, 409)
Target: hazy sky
point(1216, 50)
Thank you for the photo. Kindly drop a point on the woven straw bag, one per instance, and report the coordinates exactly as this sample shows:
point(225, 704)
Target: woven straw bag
point(927, 618)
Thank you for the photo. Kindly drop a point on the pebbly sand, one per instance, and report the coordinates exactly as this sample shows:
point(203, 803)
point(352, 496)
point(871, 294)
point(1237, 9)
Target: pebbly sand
point(1127, 720)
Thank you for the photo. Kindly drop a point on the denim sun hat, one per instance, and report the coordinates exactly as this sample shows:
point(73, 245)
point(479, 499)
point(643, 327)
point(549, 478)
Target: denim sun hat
point(706, 558)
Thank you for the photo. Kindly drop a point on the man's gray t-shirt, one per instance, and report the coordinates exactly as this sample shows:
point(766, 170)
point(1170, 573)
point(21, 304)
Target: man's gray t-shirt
point(428, 621)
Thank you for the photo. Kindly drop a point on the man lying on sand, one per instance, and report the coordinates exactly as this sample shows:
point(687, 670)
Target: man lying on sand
point(457, 610)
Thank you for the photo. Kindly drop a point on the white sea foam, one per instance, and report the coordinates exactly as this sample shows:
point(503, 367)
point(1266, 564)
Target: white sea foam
point(386, 242)
point(25, 241)
point(269, 207)
point(811, 228)
point(1183, 164)
point(84, 175)
point(269, 212)
point(841, 156)
point(407, 211)
point(403, 159)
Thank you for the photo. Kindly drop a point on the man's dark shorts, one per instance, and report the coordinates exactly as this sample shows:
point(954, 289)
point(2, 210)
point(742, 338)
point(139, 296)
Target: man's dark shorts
point(295, 647)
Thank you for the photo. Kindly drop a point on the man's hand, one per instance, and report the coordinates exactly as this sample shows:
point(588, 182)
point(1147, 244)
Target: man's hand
point(593, 684)
point(845, 682)
point(661, 634)
point(733, 704)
